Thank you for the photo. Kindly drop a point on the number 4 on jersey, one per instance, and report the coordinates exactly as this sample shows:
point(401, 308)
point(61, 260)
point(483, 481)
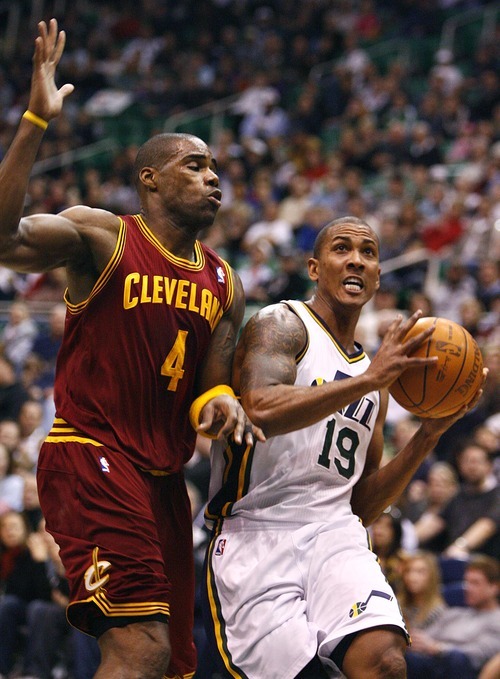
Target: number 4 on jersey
point(173, 365)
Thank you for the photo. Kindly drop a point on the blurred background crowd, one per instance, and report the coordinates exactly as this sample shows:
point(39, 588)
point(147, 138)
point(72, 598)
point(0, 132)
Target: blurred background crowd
point(389, 111)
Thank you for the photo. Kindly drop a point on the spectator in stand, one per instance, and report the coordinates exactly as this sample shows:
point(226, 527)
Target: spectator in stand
point(312, 163)
point(47, 626)
point(23, 580)
point(488, 96)
point(32, 435)
point(457, 286)
point(288, 281)
point(293, 207)
point(31, 511)
point(12, 392)
point(471, 313)
point(419, 300)
point(10, 435)
point(478, 241)
point(18, 335)
point(441, 486)
point(46, 287)
point(393, 147)
point(256, 272)
point(270, 122)
point(447, 76)
point(461, 639)
point(386, 537)
point(48, 341)
point(11, 283)
point(315, 218)
point(447, 230)
point(415, 501)
point(420, 593)
point(423, 148)
point(11, 484)
point(488, 278)
point(470, 521)
point(273, 228)
point(368, 24)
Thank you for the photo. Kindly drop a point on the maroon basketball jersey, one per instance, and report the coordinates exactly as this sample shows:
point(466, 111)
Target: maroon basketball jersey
point(126, 369)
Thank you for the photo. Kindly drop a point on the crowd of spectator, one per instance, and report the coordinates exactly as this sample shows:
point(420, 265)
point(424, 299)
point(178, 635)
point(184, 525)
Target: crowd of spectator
point(317, 125)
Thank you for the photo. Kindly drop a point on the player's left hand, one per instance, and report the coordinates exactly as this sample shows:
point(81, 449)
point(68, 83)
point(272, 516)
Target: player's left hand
point(222, 416)
point(440, 424)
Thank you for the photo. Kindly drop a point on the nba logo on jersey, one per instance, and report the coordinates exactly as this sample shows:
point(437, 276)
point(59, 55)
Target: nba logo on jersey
point(104, 464)
point(221, 275)
point(221, 545)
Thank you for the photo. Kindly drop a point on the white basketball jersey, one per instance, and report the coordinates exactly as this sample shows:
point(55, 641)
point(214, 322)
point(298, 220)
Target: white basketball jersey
point(308, 474)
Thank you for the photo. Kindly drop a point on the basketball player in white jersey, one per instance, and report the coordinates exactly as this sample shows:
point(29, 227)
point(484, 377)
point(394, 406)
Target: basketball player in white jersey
point(292, 588)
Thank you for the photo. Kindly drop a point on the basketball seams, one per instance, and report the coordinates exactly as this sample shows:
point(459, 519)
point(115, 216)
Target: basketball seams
point(465, 345)
point(420, 390)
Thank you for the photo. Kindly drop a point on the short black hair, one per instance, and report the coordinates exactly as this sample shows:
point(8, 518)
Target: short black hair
point(322, 235)
point(156, 149)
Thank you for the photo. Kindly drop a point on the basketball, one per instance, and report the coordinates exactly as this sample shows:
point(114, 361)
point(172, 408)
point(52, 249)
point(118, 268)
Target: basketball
point(441, 389)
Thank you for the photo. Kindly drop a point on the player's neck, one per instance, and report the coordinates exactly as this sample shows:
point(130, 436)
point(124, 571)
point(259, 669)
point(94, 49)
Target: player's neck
point(173, 238)
point(341, 323)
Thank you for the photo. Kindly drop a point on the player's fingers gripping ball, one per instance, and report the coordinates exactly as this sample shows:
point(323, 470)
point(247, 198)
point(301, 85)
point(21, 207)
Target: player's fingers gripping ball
point(443, 388)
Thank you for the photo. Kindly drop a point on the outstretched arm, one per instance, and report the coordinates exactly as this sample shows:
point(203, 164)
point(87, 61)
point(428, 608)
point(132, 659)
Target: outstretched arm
point(80, 238)
point(45, 103)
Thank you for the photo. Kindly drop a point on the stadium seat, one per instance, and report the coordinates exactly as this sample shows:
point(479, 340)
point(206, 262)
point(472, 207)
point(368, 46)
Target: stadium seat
point(454, 593)
point(452, 570)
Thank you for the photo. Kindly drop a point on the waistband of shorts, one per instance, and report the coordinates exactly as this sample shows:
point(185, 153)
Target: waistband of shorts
point(63, 432)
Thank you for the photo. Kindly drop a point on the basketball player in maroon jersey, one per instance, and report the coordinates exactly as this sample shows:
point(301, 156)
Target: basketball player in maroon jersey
point(152, 318)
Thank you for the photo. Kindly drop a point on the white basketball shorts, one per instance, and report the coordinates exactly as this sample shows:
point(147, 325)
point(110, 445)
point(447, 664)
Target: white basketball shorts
point(279, 597)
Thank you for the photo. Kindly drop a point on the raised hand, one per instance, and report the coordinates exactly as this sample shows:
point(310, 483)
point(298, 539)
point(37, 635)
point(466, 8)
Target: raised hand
point(46, 99)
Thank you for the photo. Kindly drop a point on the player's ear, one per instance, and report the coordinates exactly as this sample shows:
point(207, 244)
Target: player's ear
point(377, 284)
point(312, 268)
point(147, 177)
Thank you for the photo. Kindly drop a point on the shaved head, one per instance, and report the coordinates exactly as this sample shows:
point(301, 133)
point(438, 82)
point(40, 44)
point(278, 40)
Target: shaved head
point(158, 149)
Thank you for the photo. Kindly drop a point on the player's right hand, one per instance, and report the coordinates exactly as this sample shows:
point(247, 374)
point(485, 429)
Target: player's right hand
point(46, 99)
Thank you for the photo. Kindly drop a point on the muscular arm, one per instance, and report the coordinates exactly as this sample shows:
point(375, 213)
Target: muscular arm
point(223, 414)
point(46, 102)
point(217, 366)
point(80, 238)
point(266, 370)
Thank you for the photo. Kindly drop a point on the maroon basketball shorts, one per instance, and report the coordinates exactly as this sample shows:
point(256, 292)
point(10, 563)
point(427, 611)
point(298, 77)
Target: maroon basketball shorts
point(125, 537)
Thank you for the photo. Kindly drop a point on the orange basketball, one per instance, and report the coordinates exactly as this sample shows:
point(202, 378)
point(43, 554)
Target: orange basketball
point(441, 389)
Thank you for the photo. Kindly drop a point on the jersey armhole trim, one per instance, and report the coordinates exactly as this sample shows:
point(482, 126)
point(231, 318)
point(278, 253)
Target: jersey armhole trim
point(106, 274)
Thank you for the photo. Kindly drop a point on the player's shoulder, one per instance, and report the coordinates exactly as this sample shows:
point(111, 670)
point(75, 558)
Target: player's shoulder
point(89, 218)
point(281, 312)
point(277, 322)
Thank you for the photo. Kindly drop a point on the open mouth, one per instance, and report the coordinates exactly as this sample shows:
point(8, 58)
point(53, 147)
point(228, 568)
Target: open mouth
point(353, 284)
